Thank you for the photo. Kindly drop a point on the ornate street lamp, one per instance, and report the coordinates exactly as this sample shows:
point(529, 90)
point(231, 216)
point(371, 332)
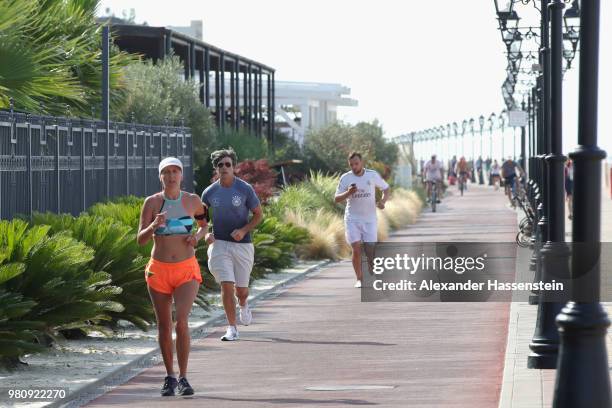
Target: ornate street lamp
point(441, 143)
point(506, 14)
point(490, 158)
point(572, 15)
point(433, 138)
point(492, 117)
point(570, 43)
point(456, 132)
point(473, 158)
point(481, 122)
point(464, 125)
point(571, 36)
point(583, 376)
point(448, 135)
point(471, 125)
point(502, 126)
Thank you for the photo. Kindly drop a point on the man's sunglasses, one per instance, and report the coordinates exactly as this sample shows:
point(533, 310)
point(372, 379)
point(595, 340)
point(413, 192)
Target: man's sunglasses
point(227, 164)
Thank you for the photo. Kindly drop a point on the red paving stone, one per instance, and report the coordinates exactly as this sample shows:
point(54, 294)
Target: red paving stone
point(318, 333)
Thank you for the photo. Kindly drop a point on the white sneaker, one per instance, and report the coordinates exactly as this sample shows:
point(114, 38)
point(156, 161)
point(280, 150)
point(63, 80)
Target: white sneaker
point(358, 284)
point(231, 334)
point(246, 317)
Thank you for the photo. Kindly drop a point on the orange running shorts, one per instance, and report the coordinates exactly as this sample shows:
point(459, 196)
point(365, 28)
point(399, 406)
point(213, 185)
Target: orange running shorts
point(164, 277)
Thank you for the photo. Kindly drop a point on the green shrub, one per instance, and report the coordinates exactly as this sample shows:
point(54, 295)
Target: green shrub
point(127, 213)
point(68, 295)
point(275, 244)
point(309, 196)
point(125, 210)
point(156, 93)
point(327, 149)
point(117, 253)
point(17, 336)
point(246, 145)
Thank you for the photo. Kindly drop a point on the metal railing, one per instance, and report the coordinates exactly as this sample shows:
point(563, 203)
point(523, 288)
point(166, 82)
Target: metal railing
point(63, 164)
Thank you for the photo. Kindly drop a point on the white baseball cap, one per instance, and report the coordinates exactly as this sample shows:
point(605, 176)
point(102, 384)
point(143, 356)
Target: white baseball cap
point(170, 161)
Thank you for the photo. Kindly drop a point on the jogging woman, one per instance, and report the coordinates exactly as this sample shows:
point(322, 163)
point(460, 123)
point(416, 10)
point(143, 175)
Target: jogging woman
point(173, 270)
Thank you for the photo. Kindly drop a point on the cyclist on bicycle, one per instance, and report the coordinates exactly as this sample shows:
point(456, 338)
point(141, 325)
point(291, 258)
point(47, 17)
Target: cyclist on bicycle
point(462, 169)
point(433, 173)
point(508, 172)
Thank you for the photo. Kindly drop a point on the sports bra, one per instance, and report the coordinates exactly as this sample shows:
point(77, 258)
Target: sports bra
point(178, 222)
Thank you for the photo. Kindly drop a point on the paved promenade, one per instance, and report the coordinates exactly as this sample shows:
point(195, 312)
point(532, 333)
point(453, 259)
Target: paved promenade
point(316, 344)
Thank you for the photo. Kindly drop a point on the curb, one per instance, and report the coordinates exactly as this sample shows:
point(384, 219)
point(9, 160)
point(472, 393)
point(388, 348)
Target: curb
point(128, 371)
point(512, 353)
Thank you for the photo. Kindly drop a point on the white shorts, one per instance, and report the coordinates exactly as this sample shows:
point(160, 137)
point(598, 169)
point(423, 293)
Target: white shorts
point(361, 231)
point(231, 262)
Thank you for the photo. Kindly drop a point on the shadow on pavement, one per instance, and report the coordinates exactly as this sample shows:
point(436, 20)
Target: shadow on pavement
point(339, 343)
point(294, 401)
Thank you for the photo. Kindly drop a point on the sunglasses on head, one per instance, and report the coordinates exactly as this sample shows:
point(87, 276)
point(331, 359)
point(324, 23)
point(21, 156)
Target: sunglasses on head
point(227, 164)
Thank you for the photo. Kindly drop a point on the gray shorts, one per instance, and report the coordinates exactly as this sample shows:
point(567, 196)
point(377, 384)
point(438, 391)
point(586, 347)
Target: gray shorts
point(231, 262)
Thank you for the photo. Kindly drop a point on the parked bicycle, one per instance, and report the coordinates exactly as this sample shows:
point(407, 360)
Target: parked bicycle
point(527, 224)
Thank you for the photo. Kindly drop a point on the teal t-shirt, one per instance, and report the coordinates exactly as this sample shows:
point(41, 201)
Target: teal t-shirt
point(229, 207)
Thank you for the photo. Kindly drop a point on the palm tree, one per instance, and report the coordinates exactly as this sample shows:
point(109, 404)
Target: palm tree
point(50, 56)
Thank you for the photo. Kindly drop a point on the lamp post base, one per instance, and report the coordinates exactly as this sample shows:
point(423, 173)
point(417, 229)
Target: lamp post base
point(545, 343)
point(583, 379)
point(543, 361)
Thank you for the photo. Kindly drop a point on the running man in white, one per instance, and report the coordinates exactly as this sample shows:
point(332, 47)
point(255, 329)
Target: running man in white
point(357, 187)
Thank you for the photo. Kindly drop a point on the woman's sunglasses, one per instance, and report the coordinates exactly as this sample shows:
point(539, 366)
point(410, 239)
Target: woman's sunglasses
point(227, 164)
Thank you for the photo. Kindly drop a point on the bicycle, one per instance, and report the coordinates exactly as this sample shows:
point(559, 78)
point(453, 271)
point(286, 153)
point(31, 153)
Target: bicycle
point(433, 195)
point(462, 181)
point(527, 224)
point(510, 190)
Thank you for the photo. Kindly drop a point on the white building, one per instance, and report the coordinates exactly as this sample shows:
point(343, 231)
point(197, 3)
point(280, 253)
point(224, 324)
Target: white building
point(304, 106)
point(299, 106)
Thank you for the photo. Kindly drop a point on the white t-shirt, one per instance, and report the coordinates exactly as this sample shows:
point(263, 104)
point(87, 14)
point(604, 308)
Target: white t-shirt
point(361, 206)
point(433, 171)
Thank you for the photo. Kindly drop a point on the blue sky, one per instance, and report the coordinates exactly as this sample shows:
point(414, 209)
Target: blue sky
point(411, 64)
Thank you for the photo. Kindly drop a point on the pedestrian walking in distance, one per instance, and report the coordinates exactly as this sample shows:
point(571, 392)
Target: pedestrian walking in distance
point(569, 187)
point(173, 271)
point(357, 187)
point(230, 249)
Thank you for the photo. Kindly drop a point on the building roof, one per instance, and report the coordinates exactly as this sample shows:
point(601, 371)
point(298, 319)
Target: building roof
point(134, 31)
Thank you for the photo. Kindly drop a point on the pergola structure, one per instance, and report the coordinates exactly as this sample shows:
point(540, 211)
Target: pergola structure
point(238, 91)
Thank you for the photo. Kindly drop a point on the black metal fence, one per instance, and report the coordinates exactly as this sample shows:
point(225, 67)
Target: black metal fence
point(61, 164)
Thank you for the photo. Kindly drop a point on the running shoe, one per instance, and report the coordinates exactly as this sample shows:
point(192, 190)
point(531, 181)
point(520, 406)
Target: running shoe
point(231, 334)
point(358, 284)
point(246, 317)
point(183, 387)
point(170, 384)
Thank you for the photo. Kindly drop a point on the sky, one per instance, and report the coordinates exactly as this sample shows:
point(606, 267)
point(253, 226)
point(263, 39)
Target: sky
point(411, 64)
